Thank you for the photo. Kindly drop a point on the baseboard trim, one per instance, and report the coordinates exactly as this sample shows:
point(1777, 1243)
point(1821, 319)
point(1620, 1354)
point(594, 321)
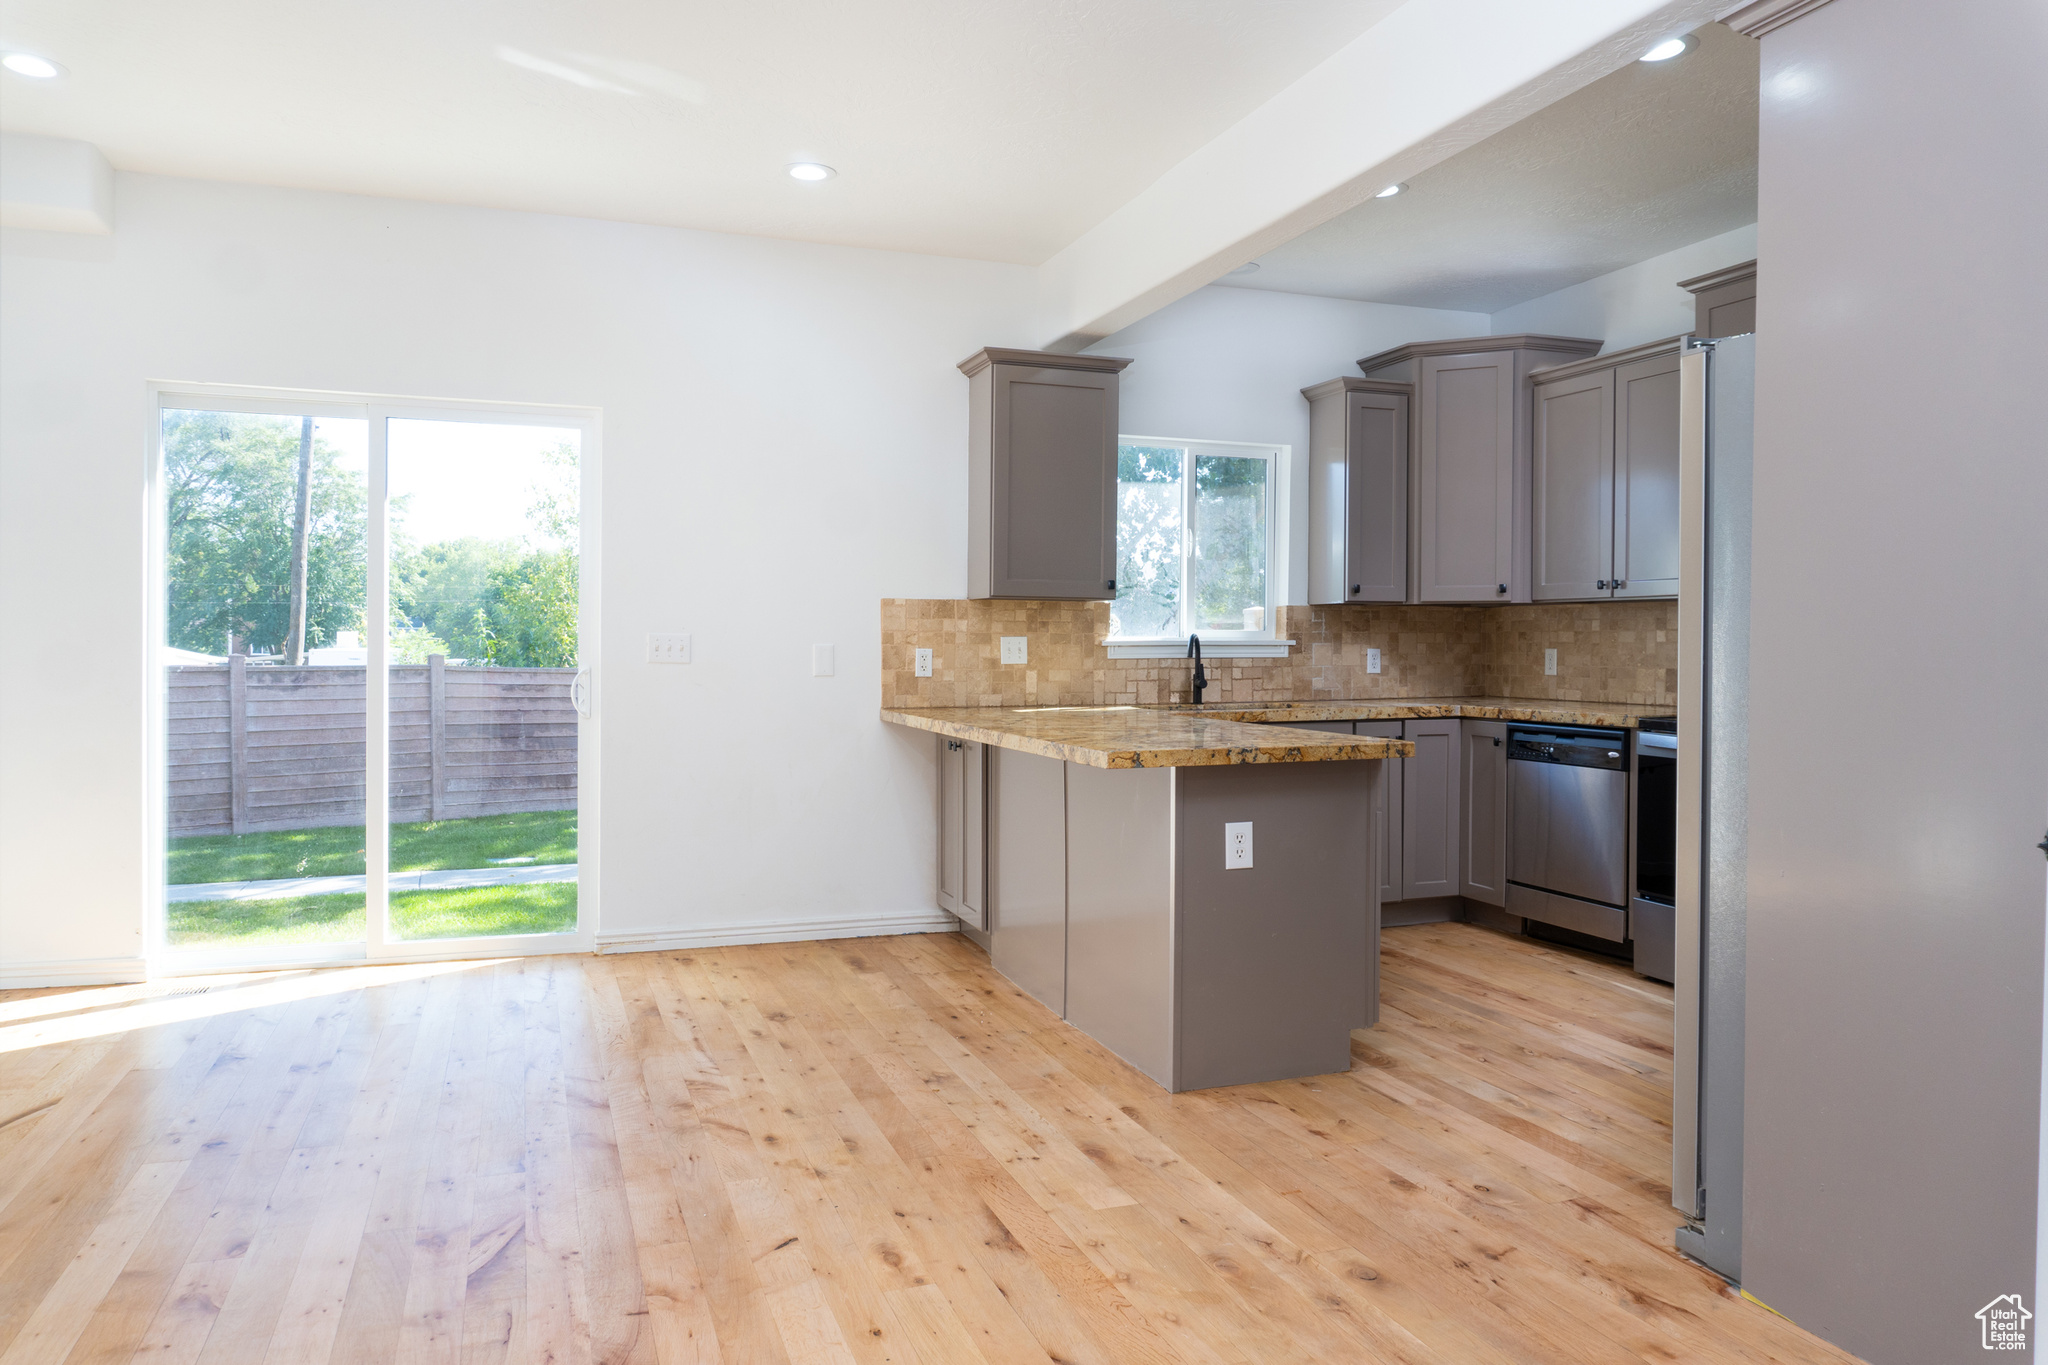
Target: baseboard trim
point(776, 931)
point(75, 971)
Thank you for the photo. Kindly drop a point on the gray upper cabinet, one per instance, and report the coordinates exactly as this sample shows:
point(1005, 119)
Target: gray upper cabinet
point(1572, 519)
point(1723, 301)
point(1604, 522)
point(1358, 491)
point(1041, 474)
point(1646, 477)
point(1469, 465)
point(1483, 832)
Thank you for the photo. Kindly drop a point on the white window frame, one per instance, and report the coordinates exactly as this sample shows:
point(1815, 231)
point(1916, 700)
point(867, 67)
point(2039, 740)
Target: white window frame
point(1216, 644)
point(379, 945)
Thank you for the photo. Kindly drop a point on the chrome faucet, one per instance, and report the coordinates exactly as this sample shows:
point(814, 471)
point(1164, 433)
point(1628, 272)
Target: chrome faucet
point(1201, 679)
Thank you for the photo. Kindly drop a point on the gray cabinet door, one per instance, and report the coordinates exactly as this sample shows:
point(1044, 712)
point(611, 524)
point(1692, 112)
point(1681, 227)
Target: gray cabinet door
point(1388, 813)
point(1051, 483)
point(1646, 478)
point(1483, 836)
point(1430, 813)
point(1465, 478)
point(974, 834)
point(952, 823)
point(1358, 491)
point(1572, 535)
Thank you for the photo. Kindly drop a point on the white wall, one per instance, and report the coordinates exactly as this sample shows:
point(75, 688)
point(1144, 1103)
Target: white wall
point(1632, 305)
point(1230, 365)
point(784, 445)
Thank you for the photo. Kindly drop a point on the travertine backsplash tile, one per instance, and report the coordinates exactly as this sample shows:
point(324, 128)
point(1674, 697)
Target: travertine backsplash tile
point(1607, 651)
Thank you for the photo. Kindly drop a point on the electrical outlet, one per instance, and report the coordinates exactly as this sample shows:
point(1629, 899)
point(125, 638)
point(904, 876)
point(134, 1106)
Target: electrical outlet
point(821, 661)
point(924, 663)
point(1237, 844)
point(668, 649)
point(1549, 663)
point(1372, 661)
point(1016, 649)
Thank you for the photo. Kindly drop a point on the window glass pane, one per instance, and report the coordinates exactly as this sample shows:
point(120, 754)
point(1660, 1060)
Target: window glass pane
point(1148, 541)
point(265, 570)
point(1230, 543)
point(483, 659)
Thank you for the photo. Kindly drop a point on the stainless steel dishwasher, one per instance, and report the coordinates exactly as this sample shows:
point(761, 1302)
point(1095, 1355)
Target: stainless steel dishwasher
point(1568, 828)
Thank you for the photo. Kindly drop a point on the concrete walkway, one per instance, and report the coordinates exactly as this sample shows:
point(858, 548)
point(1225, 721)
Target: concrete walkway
point(288, 887)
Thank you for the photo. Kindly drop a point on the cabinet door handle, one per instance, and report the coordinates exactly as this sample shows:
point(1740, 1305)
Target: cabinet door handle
point(1354, 589)
point(1110, 584)
point(1503, 587)
point(952, 744)
point(1600, 583)
point(1620, 583)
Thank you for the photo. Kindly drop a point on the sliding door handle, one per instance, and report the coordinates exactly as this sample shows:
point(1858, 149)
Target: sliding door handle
point(579, 692)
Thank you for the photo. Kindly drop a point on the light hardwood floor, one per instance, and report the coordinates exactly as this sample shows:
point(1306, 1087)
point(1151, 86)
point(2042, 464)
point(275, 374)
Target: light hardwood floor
point(871, 1150)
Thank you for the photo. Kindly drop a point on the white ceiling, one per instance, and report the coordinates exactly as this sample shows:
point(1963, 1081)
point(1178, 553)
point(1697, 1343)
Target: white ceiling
point(992, 129)
point(1640, 162)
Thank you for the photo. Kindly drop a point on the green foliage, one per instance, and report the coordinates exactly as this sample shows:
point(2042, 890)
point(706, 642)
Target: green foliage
point(441, 588)
point(457, 912)
point(231, 485)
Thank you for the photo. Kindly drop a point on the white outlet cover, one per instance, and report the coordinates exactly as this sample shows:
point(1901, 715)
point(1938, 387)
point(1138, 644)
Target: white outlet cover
point(924, 663)
point(1016, 649)
point(1237, 844)
point(668, 649)
point(1550, 663)
point(1372, 661)
point(821, 661)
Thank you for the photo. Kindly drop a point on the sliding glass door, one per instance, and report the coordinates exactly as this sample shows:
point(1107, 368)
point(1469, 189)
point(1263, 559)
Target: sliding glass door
point(375, 709)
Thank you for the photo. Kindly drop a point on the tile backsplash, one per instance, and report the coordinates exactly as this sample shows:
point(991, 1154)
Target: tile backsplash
point(1606, 651)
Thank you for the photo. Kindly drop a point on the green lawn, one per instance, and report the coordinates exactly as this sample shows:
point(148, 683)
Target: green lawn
point(546, 836)
point(539, 908)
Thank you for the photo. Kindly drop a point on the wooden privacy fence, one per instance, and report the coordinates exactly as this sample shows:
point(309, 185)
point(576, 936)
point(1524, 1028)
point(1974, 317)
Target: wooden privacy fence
point(267, 747)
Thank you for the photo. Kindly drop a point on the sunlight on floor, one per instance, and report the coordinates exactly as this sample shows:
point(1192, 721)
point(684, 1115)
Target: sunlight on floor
point(176, 1001)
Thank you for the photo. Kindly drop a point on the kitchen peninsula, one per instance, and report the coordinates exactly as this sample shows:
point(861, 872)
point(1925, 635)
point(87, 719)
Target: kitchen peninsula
point(1197, 894)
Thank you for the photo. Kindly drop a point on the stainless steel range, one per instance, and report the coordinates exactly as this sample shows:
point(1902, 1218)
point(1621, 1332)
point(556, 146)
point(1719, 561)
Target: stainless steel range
point(1568, 813)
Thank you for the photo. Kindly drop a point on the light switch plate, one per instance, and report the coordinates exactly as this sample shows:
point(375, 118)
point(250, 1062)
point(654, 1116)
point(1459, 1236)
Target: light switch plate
point(668, 649)
point(1237, 844)
point(1549, 663)
point(924, 663)
point(821, 661)
point(1372, 661)
point(1016, 649)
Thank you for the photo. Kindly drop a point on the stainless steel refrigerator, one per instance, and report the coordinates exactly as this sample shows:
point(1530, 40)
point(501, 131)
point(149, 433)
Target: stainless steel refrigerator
point(1717, 389)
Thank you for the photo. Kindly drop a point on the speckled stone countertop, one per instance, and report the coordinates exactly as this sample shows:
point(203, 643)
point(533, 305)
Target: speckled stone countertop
point(1142, 737)
point(1620, 715)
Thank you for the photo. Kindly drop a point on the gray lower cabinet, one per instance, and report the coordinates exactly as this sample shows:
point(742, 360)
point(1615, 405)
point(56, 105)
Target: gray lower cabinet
point(1041, 479)
point(1469, 460)
point(1604, 510)
point(1483, 831)
point(963, 830)
point(1387, 813)
point(1430, 809)
point(1358, 491)
point(1109, 903)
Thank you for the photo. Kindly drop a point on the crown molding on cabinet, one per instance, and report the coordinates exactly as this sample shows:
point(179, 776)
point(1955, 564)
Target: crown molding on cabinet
point(1345, 383)
point(1760, 18)
point(1572, 368)
point(1714, 279)
point(1044, 360)
point(1534, 341)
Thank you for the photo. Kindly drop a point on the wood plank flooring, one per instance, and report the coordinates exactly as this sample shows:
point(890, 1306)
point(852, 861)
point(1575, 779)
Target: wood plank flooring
point(864, 1152)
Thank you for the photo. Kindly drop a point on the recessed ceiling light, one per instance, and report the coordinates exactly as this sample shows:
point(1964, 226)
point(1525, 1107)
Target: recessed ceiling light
point(1669, 48)
point(34, 67)
point(810, 170)
point(1390, 191)
point(1248, 268)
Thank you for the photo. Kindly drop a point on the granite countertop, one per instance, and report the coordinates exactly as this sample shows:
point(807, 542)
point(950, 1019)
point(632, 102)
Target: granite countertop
point(1142, 736)
point(1620, 715)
